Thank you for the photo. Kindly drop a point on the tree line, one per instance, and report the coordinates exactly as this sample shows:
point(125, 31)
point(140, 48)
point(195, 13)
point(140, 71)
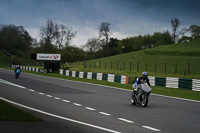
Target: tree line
point(56, 38)
point(103, 46)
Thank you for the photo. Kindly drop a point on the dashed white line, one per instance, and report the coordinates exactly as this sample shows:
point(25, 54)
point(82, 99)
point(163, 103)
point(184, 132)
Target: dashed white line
point(103, 113)
point(41, 93)
point(77, 104)
point(49, 96)
point(31, 90)
point(125, 120)
point(151, 128)
point(57, 98)
point(66, 101)
point(90, 108)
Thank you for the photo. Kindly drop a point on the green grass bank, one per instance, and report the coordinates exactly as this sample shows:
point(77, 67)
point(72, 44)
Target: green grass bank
point(180, 60)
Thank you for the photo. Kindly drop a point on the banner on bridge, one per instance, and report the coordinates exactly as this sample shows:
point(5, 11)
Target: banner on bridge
point(54, 57)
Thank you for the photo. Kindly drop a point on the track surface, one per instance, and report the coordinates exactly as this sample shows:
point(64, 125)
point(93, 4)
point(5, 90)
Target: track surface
point(81, 107)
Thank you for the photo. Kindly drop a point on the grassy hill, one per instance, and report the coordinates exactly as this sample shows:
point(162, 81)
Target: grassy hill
point(168, 60)
point(162, 61)
point(4, 60)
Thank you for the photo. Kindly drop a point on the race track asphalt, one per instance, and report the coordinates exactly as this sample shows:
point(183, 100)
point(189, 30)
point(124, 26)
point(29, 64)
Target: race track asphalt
point(75, 107)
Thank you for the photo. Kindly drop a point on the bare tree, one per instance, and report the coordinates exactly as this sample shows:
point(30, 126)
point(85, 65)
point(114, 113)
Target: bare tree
point(104, 30)
point(93, 45)
point(48, 33)
point(195, 30)
point(55, 33)
point(70, 34)
point(175, 24)
point(64, 36)
point(183, 31)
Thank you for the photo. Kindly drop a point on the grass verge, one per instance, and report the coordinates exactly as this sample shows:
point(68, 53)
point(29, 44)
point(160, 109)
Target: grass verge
point(10, 113)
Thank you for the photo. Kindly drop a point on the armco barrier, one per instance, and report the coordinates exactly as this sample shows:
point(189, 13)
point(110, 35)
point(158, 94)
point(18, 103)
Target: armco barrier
point(99, 76)
point(152, 80)
point(196, 84)
point(160, 81)
point(26, 68)
point(81, 74)
point(172, 82)
point(185, 84)
point(105, 77)
point(189, 84)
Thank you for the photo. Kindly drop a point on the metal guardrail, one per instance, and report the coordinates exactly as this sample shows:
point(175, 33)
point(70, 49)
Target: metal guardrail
point(99, 76)
point(189, 84)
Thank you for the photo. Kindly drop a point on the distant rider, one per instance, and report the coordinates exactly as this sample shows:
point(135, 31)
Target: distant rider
point(18, 67)
point(143, 79)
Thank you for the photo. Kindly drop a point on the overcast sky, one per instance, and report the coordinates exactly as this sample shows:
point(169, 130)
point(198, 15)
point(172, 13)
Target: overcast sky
point(127, 17)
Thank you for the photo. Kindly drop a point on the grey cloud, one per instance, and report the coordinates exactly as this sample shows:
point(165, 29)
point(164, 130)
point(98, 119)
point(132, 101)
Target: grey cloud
point(126, 16)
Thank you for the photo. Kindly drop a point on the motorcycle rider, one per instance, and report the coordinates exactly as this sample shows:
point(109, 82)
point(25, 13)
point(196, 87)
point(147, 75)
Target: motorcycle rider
point(18, 67)
point(143, 79)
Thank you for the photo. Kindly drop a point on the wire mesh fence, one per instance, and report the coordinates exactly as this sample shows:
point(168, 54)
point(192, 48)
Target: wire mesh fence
point(191, 68)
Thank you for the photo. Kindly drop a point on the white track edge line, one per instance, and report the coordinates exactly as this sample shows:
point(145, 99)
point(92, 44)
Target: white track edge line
point(10, 83)
point(60, 117)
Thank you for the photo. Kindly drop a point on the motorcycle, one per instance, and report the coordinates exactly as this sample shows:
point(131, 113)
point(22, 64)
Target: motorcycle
point(17, 73)
point(141, 96)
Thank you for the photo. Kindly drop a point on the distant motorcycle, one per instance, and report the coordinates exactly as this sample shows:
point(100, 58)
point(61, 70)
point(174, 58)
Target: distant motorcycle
point(17, 73)
point(141, 96)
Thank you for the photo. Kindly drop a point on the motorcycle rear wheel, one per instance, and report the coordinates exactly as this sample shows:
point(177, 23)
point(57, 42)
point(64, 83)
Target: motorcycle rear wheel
point(16, 75)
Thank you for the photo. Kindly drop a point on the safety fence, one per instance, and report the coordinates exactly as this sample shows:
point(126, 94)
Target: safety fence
point(189, 68)
point(88, 75)
point(99, 76)
point(189, 84)
point(27, 68)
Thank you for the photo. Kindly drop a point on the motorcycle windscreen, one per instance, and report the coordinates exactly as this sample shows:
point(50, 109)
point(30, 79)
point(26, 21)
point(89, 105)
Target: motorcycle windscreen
point(146, 88)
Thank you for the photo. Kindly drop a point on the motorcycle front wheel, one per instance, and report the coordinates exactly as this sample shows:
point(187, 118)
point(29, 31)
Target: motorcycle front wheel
point(133, 101)
point(144, 101)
